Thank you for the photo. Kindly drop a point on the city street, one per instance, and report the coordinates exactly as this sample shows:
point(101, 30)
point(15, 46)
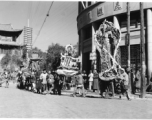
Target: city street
point(15, 103)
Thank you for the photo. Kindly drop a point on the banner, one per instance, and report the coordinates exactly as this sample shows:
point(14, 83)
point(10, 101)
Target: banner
point(69, 65)
point(69, 62)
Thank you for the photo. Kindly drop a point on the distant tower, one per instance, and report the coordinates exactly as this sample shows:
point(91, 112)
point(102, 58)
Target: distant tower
point(28, 38)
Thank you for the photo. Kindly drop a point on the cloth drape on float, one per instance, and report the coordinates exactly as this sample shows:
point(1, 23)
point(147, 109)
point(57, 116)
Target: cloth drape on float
point(66, 72)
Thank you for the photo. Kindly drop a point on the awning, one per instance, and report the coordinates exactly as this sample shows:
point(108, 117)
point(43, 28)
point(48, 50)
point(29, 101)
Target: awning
point(10, 33)
point(10, 43)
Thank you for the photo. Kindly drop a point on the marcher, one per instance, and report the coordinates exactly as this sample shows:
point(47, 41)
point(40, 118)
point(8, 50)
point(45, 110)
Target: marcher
point(57, 84)
point(50, 81)
point(124, 79)
point(95, 81)
point(43, 77)
point(33, 81)
point(105, 83)
point(90, 80)
point(79, 84)
point(6, 78)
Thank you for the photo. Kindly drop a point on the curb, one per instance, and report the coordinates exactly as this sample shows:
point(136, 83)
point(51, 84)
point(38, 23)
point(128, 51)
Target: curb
point(133, 97)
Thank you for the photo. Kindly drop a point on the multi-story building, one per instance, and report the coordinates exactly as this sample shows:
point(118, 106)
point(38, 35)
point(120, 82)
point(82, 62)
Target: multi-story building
point(92, 14)
point(28, 37)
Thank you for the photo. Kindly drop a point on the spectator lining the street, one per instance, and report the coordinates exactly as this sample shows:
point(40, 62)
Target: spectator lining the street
point(90, 80)
point(43, 77)
point(95, 81)
point(85, 79)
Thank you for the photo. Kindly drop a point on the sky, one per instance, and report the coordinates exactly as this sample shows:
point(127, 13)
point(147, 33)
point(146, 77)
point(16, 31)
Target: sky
point(60, 26)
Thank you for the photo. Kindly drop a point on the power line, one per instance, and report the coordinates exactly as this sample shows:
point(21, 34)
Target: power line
point(62, 29)
point(59, 10)
point(43, 23)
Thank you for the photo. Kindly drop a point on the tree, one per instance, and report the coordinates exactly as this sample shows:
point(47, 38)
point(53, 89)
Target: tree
point(76, 47)
point(10, 62)
point(53, 56)
point(5, 60)
point(24, 52)
point(16, 60)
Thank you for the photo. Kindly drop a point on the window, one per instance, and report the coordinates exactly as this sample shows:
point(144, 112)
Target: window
point(134, 55)
point(87, 32)
point(89, 3)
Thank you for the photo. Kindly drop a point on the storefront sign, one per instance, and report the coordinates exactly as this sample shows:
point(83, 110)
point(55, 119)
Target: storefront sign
point(100, 11)
point(118, 6)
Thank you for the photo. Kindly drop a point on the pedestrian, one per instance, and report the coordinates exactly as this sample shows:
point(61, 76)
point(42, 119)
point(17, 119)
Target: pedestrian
point(84, 75)
point(90, 80)
point(43, 78)
point(95, 81)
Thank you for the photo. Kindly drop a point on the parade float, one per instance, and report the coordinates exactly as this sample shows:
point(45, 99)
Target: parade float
point(106, 41)
point(69, 63)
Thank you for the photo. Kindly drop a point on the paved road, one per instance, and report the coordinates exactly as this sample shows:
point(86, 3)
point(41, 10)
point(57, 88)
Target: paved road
point(15, 103)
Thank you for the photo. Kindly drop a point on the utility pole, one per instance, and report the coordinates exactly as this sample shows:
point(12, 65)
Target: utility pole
point(142, 48)
point(128, 42)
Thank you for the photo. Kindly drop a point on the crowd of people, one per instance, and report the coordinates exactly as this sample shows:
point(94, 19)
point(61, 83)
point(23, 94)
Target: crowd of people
point(41, 83)
point(51, 83)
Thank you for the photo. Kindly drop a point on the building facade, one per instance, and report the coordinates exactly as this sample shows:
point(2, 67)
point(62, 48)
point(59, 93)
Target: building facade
point(9, 42)
point(92, 14)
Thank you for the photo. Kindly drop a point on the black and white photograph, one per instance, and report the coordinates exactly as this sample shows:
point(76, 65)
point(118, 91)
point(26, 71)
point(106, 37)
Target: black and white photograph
point(76, 59)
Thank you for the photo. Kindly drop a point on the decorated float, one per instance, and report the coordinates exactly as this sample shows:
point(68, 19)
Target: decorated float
point(106, 41)
point(69, 63)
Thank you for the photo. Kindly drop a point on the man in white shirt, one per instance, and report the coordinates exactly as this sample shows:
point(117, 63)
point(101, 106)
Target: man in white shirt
point(43, 77)
point(90, 79)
